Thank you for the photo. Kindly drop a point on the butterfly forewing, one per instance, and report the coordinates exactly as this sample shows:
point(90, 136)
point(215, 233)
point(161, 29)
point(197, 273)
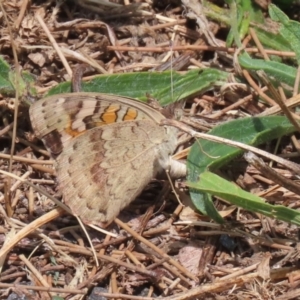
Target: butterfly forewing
point(60, 118)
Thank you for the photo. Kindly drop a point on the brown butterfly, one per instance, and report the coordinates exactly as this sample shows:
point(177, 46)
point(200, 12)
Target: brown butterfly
point(107, 149)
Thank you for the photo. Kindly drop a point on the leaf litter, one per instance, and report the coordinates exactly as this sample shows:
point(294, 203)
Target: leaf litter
point(174, 252)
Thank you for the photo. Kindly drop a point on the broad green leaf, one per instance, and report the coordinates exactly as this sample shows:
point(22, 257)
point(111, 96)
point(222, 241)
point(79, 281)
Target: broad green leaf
point(215, 185)
point(211, 155)
point(289, 29)
point(157, 85)
point(278, 15)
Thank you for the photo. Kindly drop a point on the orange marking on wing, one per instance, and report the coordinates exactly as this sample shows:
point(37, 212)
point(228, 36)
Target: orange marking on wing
point(131, 114)
point(73, 133)
point(111, 114)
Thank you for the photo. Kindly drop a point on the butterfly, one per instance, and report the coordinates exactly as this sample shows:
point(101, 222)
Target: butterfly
point(107, 148)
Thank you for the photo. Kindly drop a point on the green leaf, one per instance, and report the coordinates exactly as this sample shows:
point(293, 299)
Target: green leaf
point(211, 155)
point(215, 185)
point(289, 29)
point(157, 85)
point(271, 40)
point(277, 15)
point(216, 13)
point(236, 17)
point(241, 14)
point(6, 86)
point(266, 33)
point(282, 73)
point(8, 81)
